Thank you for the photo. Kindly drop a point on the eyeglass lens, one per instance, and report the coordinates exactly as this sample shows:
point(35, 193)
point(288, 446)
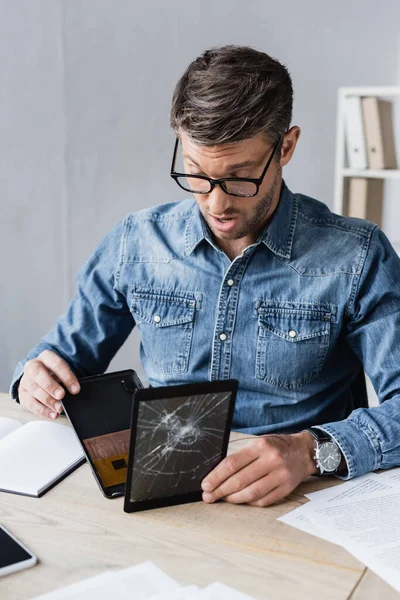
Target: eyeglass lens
point(203, 186)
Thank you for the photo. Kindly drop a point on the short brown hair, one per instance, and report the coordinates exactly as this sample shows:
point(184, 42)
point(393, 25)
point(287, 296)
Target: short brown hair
point(230, 94)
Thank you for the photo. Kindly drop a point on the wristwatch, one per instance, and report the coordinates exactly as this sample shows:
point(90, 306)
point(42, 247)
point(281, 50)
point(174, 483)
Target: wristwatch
point(327, 455)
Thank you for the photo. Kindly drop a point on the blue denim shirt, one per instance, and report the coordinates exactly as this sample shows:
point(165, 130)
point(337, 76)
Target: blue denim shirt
point(292, 318)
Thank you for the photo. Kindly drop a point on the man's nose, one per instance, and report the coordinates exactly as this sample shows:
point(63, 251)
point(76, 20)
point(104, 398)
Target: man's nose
point(218, 201)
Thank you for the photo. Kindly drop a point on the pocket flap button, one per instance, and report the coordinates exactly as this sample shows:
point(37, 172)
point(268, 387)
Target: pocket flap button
point(292, 333)
point(157, 318)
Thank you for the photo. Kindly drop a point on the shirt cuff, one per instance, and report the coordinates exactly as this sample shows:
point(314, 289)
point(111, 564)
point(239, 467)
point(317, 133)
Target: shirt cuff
point(14, 386)
point(359, 446)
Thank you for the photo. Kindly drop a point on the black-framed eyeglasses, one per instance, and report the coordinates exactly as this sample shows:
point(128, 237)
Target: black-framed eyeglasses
point(242, 187)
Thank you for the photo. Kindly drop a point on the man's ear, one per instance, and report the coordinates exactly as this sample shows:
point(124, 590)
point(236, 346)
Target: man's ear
point(290, 140)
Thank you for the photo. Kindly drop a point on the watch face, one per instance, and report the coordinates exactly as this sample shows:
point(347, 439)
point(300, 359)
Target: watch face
point(329, 456)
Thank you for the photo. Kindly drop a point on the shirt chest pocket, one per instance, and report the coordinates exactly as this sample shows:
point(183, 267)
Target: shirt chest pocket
point(292, 344)
point(165, 321)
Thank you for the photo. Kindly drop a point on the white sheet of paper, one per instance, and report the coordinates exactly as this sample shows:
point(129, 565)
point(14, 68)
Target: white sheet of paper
point(367, 526)
point(296, 518)
point(141, 582)
point(183, 593)
point(220, 591)
point(8, 426)
point(74, 590)
point(392, 476)
point(352, 488)
point(349, 489)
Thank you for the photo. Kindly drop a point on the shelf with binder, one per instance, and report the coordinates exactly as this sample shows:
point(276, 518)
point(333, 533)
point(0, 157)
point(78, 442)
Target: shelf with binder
point(361, 190)
point(372, 173)
point(352, 101)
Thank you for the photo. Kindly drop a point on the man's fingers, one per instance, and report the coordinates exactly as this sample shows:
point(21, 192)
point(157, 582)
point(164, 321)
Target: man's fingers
point(228, 467)
point(267, 470)
point(39, 394)
point(40, 389)
point(37, 376)
point(54, 376)
point(258, 491)
point(238, 481)
point(60, 368)
point(273, 496)
point(28, 401)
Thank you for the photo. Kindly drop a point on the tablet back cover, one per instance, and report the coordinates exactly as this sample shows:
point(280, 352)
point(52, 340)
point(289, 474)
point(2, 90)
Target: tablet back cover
point(101, 415)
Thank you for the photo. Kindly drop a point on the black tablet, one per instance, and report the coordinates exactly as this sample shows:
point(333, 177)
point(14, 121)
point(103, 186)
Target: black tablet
point(178, 435)
point(101, 417)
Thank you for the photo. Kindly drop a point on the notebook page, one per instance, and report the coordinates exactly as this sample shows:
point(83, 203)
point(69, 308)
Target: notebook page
point(8, 426)
point(35, 455)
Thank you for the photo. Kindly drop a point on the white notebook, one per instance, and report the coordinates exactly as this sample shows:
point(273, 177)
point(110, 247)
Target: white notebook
point(35, 456)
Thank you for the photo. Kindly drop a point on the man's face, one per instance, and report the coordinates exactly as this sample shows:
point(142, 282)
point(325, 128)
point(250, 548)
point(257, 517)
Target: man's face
point(231, 218)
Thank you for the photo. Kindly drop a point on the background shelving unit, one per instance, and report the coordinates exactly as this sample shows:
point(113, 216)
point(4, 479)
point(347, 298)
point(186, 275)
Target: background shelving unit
point(342, 172)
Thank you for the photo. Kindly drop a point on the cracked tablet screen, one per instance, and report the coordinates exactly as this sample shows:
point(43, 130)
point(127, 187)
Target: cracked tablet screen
point(178, 441)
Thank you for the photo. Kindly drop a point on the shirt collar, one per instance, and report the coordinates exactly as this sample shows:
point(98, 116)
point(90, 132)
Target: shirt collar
point(277, 235)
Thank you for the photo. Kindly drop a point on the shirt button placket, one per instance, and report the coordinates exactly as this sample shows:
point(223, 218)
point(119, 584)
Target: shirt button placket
point(223, 336)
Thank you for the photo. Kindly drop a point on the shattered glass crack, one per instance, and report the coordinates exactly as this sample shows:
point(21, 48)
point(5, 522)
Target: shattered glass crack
point(178, 441)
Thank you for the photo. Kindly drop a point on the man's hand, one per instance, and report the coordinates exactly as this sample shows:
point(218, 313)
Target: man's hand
point(40, 390)
point(263, 472)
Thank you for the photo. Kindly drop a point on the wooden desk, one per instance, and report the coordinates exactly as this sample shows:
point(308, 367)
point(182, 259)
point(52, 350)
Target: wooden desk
point(77, 533)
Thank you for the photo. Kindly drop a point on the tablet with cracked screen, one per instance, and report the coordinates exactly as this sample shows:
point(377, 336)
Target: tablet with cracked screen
point(178, 435)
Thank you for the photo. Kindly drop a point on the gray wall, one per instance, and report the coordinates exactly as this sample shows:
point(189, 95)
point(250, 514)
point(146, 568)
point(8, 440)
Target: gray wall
point(33, 196)
point(85, 90)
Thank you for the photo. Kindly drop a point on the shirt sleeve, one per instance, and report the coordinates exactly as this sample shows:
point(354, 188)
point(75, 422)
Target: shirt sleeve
point(370, 437)
point(97, 321)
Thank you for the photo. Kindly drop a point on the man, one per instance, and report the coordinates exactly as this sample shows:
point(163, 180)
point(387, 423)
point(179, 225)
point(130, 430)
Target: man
point(247, 281)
